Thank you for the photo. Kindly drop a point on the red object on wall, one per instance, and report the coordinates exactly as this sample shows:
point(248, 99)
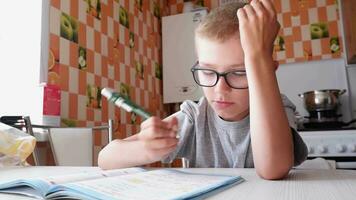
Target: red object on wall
point(51, 100)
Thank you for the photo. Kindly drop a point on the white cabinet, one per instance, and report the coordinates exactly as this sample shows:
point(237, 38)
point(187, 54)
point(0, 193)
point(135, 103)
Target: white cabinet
point(179, 56)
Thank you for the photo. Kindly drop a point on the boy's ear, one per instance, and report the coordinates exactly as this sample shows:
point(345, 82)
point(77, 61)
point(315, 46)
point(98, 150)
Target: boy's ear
point(276, 65)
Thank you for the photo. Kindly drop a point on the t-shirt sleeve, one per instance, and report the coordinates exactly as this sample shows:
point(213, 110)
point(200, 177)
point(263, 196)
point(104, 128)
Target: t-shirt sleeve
point(185, 131)
point(300, 149)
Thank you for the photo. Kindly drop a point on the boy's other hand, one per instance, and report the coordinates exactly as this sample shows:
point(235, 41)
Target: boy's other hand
point(258, 28)
point(158, 137)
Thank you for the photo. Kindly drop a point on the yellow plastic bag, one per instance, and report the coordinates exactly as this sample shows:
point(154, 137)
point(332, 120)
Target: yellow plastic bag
point(15, 146)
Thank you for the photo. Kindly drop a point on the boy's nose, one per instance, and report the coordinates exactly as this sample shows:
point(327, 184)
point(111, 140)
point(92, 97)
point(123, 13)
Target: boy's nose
point(221, 85)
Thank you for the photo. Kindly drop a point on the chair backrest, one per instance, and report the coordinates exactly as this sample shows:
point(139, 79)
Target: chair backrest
point(72, 146)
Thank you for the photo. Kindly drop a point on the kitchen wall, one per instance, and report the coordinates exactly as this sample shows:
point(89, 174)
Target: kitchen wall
point(117, 43)
point(105, 43)
point(309, 28)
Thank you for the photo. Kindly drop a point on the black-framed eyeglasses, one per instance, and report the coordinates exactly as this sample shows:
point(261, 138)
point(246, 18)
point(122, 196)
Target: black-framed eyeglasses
point(236, 79)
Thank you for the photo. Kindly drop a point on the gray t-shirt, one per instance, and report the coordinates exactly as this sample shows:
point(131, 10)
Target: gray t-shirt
point(206, 140)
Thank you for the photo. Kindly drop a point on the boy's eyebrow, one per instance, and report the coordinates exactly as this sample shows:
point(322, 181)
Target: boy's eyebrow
point(240, 65)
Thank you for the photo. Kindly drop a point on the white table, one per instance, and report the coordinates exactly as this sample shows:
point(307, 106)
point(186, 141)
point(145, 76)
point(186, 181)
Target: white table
point(302, 184)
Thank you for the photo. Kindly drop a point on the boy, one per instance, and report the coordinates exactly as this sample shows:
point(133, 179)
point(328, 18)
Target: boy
point(242, 120)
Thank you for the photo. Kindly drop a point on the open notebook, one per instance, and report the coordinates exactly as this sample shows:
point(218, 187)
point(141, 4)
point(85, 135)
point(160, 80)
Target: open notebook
point(130, 183)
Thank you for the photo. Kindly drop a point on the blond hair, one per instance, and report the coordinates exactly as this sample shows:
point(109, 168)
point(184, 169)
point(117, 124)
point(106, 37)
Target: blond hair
point(221, 23)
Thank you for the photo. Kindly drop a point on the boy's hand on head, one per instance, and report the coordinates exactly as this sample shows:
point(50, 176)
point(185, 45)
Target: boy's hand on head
point(158, 137)
point(258, 27)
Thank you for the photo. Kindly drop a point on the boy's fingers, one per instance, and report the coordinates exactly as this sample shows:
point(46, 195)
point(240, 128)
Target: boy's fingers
point(241, 14)
point(154, 121)
point(259, 8)
point(152, 133)
point(250, 13)
point(269, 7)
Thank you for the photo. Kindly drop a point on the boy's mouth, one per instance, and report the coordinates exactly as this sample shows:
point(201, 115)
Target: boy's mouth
point(222, 104)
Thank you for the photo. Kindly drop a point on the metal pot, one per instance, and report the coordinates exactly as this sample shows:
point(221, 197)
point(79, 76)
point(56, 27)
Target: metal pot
point(321, 100)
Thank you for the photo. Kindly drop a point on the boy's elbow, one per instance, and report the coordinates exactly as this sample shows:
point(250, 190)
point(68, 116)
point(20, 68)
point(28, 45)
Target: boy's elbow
point(274, 173)
point(101, 161)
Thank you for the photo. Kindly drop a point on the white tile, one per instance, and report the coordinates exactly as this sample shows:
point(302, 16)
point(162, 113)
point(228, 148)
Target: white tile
point(287, 31)
point(127, 56)
point(316, 47)
point(82, 13)
point(138, 96)
point(54, 18)
point(144, 32)
point(331, 12)
point(133, 77)
point(73, 80)
point(97, 64)
point(148, 15)
point(140, 16)
point(296, 20)
point(97, 115)
point(298, 49)
point(90, 79)
point(157, 82)
point(285, 6)
point(121, 34)
point(90, 124)
point(65, 6)
point(305, 31)
point(135, 25)
point(64, 104)
point(281, 55)
point(140, 45)
point(290, 60)
point(122, 73)
point(116, 11)
point(122, 116)
point(111, 72)
point(82, 109)
point(173, 9)
point(110, 27)
point(104, 82)
point(63, 51)
point(313, 15)
point(326, 56)
point(90, 38)
point(131, 6)
point(155, 51)
point(320, 3)
point(97, 24)
point(149, 53)
point(104, 45)
point(142, 84)
point(146, 105)
point(150, 81)
point(117, 86)
point(136, 56)
point(155, 25)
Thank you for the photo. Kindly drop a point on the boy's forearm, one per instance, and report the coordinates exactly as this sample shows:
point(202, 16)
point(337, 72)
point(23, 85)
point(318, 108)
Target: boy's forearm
point(270, 132)
point(122, 154)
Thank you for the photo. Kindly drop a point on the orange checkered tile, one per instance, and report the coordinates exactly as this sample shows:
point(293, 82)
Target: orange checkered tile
point(296, 18)
point(93, 48)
